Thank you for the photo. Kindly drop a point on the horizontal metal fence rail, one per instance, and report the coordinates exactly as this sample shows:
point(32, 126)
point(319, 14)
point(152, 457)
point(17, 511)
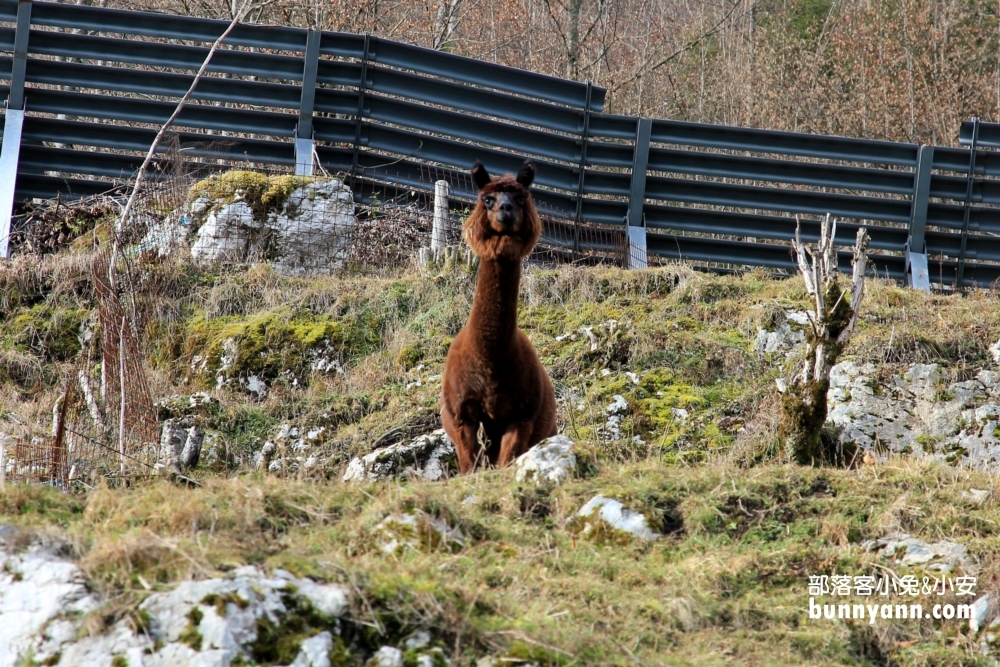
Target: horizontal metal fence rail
point(88, 88)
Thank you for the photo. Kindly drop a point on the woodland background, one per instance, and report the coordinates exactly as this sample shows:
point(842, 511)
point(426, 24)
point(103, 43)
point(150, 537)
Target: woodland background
point(900, 70)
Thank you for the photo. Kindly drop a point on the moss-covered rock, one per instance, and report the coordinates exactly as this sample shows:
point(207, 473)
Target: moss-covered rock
point(261, 192)
point(269, 345)
point(50, 332)
point(417, 529)
point(607, 520)
point(429, 457)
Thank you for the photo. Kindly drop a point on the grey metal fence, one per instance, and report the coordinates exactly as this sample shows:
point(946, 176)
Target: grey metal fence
point(87, 88)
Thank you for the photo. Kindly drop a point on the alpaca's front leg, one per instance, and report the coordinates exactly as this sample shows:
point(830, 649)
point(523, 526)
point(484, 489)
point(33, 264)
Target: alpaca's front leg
point(463, 436)
point(515, 441)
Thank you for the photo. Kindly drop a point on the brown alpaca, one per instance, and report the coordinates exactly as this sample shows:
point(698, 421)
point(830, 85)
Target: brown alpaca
point(496, 399)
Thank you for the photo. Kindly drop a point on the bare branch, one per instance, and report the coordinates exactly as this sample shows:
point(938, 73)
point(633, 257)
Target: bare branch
point(141, 175)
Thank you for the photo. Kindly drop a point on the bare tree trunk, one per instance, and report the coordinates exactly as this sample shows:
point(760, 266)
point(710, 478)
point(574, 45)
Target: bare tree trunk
point(573, 40)
point(833, 318)
point(446, 23)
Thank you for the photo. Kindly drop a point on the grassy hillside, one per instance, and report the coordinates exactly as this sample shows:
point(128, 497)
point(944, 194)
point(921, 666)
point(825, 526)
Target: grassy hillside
point(694, 452)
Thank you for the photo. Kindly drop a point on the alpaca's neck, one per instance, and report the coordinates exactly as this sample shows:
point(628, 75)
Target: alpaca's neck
point(494, 308)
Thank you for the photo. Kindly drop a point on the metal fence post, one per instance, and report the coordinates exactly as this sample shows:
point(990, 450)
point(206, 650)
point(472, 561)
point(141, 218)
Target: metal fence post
point(441, 218)
point(13, 124)
point(916, 245)
point(638, 255)
point(583, 170)
point(968, 202)
point(304, 131)
point(362, 87)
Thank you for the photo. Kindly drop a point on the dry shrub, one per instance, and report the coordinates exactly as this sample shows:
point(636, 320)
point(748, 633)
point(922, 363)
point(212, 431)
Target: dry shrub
point(387, 239)
point(47, 227)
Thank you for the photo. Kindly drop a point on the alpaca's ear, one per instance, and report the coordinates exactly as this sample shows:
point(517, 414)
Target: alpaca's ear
point(480, 175)
point(527, 174)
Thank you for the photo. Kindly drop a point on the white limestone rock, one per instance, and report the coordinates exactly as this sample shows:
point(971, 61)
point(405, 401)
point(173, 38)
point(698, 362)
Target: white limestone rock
point(430, 457)
point(163, 236)
point(616, 411)
point(417, 530)
point(619, 406)
point(980, 612)
point(225, 234)
point(310, 234)
point(786, 337)
point(36, 587)
point(551, 461)
point(180, 447)
point(919, 412)
point(315, 651)
point(614, 516)
point(976, 496)
point(387, 656)
point(942, 556)
point(314, 229)
point(43, 598)
point(328, 600)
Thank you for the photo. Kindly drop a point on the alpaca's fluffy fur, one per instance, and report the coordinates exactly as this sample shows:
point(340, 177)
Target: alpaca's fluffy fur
point(496, 399)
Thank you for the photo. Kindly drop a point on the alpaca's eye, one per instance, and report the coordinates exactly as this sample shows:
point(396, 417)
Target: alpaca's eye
point(520, 201)
point(488, 201)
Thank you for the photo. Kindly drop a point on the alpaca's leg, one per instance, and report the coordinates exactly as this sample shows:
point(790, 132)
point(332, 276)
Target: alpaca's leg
point(463, 436)
point(515, 442)
point(545, 423)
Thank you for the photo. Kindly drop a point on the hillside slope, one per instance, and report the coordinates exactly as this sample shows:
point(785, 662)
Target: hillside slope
point(354, 361)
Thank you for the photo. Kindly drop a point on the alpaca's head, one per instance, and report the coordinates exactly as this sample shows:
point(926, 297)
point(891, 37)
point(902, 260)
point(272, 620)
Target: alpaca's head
point(504, 223)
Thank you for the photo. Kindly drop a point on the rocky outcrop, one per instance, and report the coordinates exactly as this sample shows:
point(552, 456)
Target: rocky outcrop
point(788, 335)
point(605, 519)
point(313, 230)
point(225, 234)
point(918, 412)
point(180, 447)
point(309, 232)
point(942, 557)
point(551, 461)
point(418, 530)
point(246, 617)
point(429, 457)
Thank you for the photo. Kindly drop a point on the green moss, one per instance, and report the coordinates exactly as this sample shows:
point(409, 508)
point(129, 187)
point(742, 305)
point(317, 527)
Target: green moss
point(225, 186)
point(278, 643)
point(48, 331)
point(272, 343)
point(944, 395)
point(280, 187)
point(954, 453)
point(244, 428)
point(419, 531)
point(928, 443)
point(191, 635)
point(525, 653)
point(409, 356)
point(261, 192)
point(119, 661)
point(222, 602)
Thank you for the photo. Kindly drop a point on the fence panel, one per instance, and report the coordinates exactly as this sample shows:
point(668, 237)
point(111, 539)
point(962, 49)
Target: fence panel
point(387, 114)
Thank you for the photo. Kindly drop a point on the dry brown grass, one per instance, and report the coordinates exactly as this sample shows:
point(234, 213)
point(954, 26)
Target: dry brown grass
point(728, 586)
